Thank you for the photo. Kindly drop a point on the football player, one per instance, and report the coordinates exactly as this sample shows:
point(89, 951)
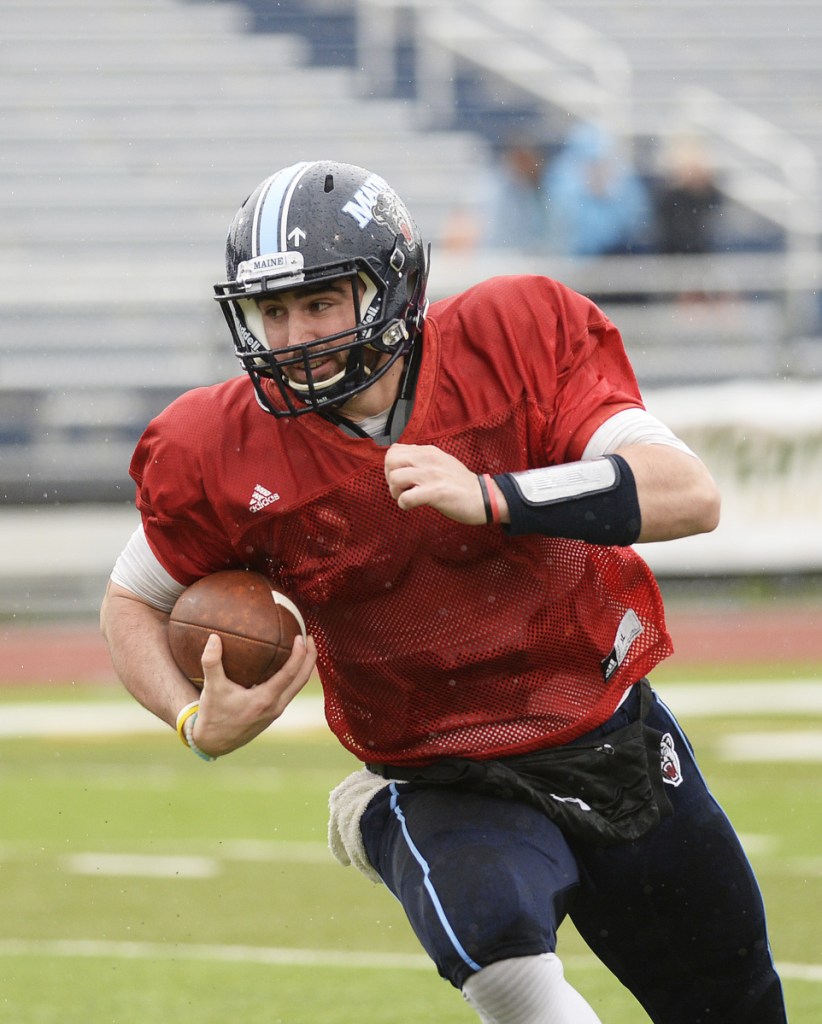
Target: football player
point(451, 496)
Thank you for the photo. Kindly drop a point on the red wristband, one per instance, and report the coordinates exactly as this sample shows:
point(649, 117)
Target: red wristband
point(493, 503)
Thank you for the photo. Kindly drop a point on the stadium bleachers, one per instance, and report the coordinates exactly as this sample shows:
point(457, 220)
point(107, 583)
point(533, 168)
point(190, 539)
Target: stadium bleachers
point(129, 134)
point(130, 131)
point(760, 57)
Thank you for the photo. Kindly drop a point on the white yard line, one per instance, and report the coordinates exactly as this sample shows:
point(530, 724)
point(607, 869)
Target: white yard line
point(19, 720)
point(188, 866)
point(796, 745)
point(774, 696)
point(23, 720)
point(136, 865)
point(281, 956)
point(223, 954)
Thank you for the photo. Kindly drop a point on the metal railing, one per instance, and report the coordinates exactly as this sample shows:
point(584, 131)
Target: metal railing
point(566, 65)
point(527, 44)
point(773, 173)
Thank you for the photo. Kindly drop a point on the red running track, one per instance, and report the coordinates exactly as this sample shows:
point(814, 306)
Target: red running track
point(64, 653)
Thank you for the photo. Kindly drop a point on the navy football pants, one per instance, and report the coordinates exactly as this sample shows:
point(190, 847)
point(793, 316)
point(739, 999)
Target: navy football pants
point(676, 915)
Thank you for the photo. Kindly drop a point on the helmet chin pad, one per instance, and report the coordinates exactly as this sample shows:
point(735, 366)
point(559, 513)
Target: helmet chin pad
point(319, 385)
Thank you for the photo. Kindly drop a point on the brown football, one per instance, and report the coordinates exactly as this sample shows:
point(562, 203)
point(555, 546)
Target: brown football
point(256, 624)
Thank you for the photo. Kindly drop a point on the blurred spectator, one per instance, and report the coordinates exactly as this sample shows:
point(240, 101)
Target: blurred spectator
point(508, 209)
point(688, 201)
point(597, 203)
point(516, 210)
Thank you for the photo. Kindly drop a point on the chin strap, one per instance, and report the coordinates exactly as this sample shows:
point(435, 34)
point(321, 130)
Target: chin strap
point(346, 426)
point(400, 412)
point(404, 402)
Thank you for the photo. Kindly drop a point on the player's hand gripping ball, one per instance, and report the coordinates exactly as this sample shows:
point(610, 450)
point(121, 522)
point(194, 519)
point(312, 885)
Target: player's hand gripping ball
point(256, 624)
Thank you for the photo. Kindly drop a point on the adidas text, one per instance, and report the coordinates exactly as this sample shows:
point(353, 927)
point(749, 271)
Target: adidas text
point(261, 498)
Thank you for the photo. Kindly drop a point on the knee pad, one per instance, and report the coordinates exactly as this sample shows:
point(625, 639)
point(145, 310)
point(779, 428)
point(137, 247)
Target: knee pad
point(527, 990)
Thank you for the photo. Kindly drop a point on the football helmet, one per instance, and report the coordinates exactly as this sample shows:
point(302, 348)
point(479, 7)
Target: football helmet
point(312, 223)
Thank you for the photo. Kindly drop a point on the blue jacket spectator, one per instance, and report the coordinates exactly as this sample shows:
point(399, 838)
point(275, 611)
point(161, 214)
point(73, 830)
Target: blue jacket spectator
point(597, 204)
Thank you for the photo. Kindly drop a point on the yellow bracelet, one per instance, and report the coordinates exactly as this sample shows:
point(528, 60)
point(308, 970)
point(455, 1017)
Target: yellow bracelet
point(183, 717)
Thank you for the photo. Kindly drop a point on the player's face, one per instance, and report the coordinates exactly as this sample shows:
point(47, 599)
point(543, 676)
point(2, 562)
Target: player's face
point(307, 314)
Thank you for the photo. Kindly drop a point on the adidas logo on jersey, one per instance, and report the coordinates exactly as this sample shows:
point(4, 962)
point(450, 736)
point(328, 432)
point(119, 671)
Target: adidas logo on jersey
point(261, 497)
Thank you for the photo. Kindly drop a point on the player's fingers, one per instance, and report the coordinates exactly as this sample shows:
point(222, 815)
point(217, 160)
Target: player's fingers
point(410, 456)
point(212, 661)
point(280, 689)
point(290, 667)
point(420, 475)
point(397, 455)
point(304, 655)
point(302, 658)
point(403, 479)
point(212, 653)
point(414, 495)
point(397, 458)
point(409, 465)
point(429, 484)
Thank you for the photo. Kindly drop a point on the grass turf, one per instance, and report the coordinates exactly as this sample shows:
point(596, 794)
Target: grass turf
point(251, 920)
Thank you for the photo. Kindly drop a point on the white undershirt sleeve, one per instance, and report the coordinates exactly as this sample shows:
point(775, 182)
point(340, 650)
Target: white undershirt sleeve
point(631, 426)
point(138, 570)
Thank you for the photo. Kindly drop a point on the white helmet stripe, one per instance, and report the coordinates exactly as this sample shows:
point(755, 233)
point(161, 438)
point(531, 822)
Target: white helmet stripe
point(266, 232)
point(303, 169)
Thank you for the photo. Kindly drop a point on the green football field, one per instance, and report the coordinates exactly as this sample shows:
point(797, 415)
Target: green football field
point(142, 885)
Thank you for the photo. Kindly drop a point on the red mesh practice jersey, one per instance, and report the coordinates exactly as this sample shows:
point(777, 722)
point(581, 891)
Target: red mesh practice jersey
point(434, 638)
